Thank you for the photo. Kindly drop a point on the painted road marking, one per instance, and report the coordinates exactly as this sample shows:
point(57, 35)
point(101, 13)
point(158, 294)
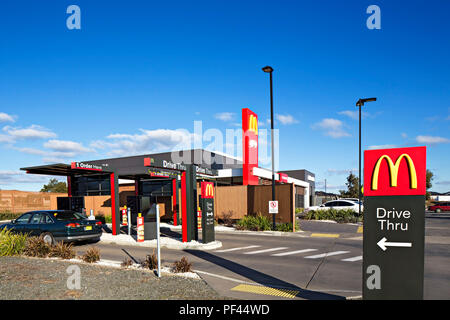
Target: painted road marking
point(265, 250)
point(236, 249)
point(328, 254)
point(353, 259)
point(285, 293)
point(292, 252)
point(325, 235)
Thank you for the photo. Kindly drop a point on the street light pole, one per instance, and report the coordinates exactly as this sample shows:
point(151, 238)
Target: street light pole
point(269, 70)
point(359, 104)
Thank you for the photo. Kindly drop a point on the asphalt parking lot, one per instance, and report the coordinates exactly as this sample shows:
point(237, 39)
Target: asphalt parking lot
point(325, 264)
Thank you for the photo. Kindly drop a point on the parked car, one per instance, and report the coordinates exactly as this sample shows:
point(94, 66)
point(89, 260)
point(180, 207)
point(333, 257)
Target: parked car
point(439, 207)
point(338, 204)
point(350, 199)
point(56, 225)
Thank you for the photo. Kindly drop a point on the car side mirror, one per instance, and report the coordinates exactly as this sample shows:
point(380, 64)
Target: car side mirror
point(13, 221)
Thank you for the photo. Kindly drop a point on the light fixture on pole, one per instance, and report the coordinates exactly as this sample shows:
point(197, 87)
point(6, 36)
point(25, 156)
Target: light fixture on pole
point(359, 104)
point(269, 70)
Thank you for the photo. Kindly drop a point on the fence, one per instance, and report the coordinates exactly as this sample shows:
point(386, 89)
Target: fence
point(22, 201)
point(235, 202)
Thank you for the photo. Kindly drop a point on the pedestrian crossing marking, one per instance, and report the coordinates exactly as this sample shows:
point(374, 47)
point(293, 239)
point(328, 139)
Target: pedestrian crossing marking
point(236, 249)
point(328, 254)
point(289, 253)
point(353, 259)
point(285, 293)
point(292, 252)
point(266, 250)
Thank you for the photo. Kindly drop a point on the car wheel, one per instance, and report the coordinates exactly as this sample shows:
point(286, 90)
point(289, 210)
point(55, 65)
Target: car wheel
point(48, 238)
point(438, 210)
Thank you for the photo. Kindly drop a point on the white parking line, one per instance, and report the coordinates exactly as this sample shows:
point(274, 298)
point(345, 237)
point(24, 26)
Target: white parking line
point(292, 252)
point(353, 259)
point(266, 250)
point(328, 254)
point(236, 249)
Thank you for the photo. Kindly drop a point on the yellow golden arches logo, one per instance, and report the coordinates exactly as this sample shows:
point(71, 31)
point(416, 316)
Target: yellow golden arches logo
point(393, 171)
point(209, 190)
point(253, 124)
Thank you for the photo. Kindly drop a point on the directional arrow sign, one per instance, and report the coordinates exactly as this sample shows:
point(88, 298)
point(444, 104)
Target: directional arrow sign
point(383, 244)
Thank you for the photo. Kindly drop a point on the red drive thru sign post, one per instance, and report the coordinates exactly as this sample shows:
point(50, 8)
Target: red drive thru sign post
point(394, 223)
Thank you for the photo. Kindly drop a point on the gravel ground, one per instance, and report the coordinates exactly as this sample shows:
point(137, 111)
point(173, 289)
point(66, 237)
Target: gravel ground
point(23, 278)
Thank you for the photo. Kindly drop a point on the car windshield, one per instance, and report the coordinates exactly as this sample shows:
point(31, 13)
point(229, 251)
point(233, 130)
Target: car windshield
point(67, 215)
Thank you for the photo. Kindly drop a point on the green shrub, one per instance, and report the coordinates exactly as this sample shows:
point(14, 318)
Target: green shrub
point(299, 210)
point(92, 255)
point(11, 244)
point(182, 266)
point(8, 215)
point(62, 250)
point(254, 223)
point(36, 247)
point(338, 215)
point(286, 227)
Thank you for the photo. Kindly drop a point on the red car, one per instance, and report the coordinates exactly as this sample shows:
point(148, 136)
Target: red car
point(439, 207)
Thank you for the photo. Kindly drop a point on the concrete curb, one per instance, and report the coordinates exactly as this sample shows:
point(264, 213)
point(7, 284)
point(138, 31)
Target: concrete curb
point(168, 243)
point(297, 234)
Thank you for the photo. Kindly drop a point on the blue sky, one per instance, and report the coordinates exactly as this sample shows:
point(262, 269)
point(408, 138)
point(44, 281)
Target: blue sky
point(138, 70)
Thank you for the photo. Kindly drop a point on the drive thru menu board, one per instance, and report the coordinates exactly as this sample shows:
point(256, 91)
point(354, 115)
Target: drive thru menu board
point(394, 223)
point(207, 205)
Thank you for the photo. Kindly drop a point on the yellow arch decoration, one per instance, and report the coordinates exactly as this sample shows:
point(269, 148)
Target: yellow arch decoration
point(393, 170)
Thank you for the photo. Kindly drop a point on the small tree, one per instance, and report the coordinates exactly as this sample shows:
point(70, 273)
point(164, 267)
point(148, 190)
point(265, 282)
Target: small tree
point(352, 187)
point(428, 183)
point(55, 186)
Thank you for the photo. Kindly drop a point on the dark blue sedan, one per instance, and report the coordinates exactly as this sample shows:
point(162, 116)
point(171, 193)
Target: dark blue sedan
point(56, 225)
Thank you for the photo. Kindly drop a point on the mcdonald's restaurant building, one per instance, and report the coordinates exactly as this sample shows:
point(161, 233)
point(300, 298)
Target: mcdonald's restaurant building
point(241, 187)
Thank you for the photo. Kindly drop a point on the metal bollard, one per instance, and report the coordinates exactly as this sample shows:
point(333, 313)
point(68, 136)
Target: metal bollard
point(129, 221)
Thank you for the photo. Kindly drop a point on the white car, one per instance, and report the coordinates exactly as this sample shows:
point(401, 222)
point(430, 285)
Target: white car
point(338, 204)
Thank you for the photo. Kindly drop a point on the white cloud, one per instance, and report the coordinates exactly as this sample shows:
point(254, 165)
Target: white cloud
point(353, 114)
point(332, 127)
point(4, 117)
point(32, 132)
point(4, 138)
point(445, 183)
point(382, 146)
point(286, 119)
point(340, 172)
point(63, 146)
point(32, 151)
point(404, 135)
point(431, 139)
point(224, 116)
point(148, 141)
point(14, 177)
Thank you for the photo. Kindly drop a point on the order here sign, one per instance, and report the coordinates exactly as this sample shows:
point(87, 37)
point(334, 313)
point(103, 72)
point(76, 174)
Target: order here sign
point(394, 223)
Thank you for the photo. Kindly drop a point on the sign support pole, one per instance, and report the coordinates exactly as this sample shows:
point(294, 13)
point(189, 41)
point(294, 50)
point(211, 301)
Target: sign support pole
point(158, 242)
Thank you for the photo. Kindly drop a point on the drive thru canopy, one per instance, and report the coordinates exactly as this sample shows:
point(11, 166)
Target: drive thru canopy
point(107, 172)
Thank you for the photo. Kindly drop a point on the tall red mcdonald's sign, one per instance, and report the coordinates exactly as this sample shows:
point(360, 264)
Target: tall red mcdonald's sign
point(250, 146)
